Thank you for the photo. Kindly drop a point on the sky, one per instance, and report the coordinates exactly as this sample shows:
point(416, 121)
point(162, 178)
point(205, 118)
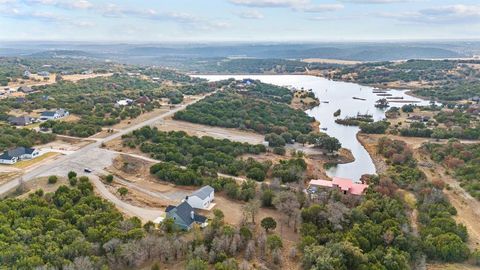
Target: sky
point(238, 20)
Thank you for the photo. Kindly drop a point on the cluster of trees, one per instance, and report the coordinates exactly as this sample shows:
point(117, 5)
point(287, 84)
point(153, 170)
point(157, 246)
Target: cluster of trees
point(412, 70)
point(379, 127)
point(205, 155)
point(371, 235)
point(462, 159)
point(222, 246)
point(467, 133)
point(269, 92)
point(441, 237)
point(320, 140)
point(13, 137)
point(353, 121)
point(233, 110)
point(292, 170)
point(187, 177)
point(60, 229)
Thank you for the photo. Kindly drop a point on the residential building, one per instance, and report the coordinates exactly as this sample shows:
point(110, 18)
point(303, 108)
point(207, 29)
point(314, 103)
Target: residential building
point(202, 198)
point(21, 120)
point(43, 73)
point(346, 186)
point(184, 216)
point(52, 115)
point(19, 153)
point(124, 102)
point(25, 89)
point(143, 100)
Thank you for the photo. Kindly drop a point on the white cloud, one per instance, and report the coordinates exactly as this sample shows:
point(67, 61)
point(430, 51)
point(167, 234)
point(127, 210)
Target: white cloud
point(377, 1)
point(271, 3)
point(321, 8)
point(77, 4)
point(452, 14)
point(183, 18)
point(297, 5)
point(250, 14)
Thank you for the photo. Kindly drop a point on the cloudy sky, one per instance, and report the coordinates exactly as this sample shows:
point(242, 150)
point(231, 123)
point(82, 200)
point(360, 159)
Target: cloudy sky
point(238, 20)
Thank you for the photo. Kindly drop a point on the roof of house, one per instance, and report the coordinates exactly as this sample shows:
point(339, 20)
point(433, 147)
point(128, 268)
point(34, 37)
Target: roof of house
point(17, 152)
point(343, 183)
point(184, 212)
point(20, 120)
point(49, 113)
point(25, 89)
point(203, 192)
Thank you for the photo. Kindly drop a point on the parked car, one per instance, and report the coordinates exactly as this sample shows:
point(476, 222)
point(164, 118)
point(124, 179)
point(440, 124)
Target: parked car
point(87, 170)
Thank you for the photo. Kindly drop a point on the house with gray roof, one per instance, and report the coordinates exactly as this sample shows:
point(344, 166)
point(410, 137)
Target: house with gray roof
point(184, 216)
point(202, 198)
point(21, 120)
point(17, 154)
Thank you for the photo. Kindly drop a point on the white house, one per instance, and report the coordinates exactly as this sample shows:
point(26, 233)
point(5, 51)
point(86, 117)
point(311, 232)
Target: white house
point(52, 115)
point(124, 102)
point(19, 153)
point(202, 198)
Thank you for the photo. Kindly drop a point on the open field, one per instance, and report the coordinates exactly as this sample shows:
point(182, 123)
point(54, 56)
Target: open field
point(215, 132)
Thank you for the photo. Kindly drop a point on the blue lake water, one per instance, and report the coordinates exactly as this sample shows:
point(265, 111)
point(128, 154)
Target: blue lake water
point(339, 95)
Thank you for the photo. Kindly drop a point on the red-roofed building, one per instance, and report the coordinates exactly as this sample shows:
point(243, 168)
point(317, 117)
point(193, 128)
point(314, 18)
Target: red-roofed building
point(347, 186)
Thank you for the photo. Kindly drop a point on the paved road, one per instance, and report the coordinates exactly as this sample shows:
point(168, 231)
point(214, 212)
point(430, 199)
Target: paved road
point(96, 158)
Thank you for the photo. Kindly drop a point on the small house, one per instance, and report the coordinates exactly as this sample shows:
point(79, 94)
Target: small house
point(25, 89)
point(143, 100)
point(124, 102)
point(43, 73)
point(19, 153)
point(27, 74)
point(184, 216)
point(21, 120)
point(202, 198)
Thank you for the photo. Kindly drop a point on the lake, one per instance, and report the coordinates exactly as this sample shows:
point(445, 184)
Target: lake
point(339, 96)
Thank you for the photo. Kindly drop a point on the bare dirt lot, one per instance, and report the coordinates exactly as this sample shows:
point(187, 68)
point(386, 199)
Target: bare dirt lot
point(215, 132)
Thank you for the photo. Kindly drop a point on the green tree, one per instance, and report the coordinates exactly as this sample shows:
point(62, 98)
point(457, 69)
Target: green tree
point(196, 264)
point(122, 191)
point(268, 223)
point(72, 174)
point(52, 179)
point(274, 242)
point(109, 178)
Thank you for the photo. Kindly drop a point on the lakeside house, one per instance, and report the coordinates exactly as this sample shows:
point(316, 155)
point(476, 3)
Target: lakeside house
point(346, 186)
point(20, 153)
point(184, 216)
point(21, 120)
point(202, 198)
point(52, 115)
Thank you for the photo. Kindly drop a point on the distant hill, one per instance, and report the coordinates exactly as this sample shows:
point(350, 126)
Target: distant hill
point(357, 53)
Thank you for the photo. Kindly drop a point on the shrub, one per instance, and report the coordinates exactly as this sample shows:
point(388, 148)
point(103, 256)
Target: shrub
point(52, 179)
